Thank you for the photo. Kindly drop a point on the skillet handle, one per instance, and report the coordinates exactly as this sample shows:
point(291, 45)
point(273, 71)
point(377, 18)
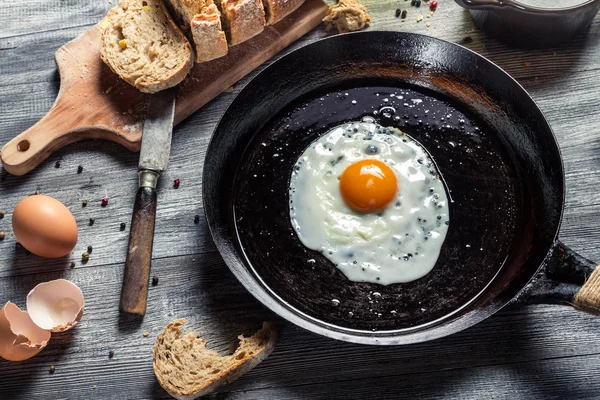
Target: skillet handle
point(567, 278)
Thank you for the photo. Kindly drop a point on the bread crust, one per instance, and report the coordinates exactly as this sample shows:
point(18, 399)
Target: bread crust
point(208, 35)
point(145, 82)
point(276, 10)
point(201, 21)
point(171, 344)
point(242, 19)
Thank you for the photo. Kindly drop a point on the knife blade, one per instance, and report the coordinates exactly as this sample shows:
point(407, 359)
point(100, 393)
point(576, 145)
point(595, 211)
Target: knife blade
point(154, 159)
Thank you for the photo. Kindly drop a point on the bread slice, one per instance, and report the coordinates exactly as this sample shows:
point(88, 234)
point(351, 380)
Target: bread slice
point(186, 369)
point(276, 10)
point(201, 21)
point(242, 19)
point(141, 43)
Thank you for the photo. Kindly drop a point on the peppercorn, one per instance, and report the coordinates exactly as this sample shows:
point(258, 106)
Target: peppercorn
point(84, 203)
point(2, 235)
point(176, 183)
point(2, 212)
point(111, 353)
point(90, 248)
point(154, 280)
point(403, 15)
point(122, 226)
point(104, 202)
point(57, 164)
point(433, 5)
point(79, 168)
point(92, 220)
point(418, 3)
point(397, 12)
point(52, 369)
point(413, 2)
point(196, 219)
point(466, 40)
point(85, 256)
point(72, 264)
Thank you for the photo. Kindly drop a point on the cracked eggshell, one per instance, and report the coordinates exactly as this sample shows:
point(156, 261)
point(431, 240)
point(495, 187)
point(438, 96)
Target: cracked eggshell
point(56, 306)
point(20, 337)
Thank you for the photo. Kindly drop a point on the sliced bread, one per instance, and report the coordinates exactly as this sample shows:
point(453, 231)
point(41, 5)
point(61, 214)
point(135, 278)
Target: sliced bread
point(141, 43)
point(186, 369)
point(201, 20)
point(276, 10)
point(242, 19)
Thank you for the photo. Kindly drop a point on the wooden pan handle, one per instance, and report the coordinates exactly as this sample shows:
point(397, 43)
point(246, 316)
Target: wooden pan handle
point(134, 293)
point(588, 297)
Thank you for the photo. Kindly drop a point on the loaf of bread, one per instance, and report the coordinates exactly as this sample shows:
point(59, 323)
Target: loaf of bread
point(141, 43)
point(201, 21)
point(242, 19)
point(276, 10)
point(186, 369)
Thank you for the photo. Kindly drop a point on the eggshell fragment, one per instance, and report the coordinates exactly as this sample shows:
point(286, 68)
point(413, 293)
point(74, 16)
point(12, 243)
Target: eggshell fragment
point(56, 305)
point(20, 337)
point(44, 226)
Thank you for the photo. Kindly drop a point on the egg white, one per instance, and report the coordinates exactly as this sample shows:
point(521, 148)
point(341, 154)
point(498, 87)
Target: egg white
point(400, 244)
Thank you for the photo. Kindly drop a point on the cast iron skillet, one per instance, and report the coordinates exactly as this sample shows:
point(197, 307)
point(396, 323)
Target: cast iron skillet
point(493, 147)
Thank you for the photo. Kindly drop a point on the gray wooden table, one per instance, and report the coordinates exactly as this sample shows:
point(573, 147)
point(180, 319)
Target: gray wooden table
point(521, 353)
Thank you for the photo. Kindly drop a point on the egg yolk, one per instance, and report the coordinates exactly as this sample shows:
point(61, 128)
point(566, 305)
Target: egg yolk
point(368, 185)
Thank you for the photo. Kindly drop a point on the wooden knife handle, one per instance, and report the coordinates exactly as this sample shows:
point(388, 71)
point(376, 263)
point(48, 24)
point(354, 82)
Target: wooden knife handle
point(134, 292)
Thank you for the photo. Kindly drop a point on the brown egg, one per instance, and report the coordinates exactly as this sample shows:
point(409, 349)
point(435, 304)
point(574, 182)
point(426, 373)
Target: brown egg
point(44, 226)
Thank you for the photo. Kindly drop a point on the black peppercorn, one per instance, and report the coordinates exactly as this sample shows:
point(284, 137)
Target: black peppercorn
point(122, 226)
point(79, 168)
point(397, 12)
point(90, 248)
point(154, 280)
point(403, 15)
point(418, 3)
point(92, 220)
point(57, 164)
point(196, 219)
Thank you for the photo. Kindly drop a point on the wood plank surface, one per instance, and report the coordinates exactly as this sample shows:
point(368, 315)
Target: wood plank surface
point(532, 352)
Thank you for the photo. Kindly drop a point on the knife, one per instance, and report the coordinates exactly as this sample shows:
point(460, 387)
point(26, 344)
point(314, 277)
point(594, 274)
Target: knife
point(154, 158)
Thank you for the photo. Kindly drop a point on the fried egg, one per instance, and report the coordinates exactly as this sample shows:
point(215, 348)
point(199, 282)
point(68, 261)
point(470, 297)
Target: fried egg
point(371, 200)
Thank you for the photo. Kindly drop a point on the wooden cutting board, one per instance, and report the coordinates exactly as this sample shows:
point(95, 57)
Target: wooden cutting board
point(93, 103)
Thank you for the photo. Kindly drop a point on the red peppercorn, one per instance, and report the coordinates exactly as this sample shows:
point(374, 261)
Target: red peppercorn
point(433, 5)
point(104, 202)
point(176, 183)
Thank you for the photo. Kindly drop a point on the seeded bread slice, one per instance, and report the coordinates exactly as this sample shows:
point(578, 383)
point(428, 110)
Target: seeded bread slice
point(201, 21)
point(242, 19)
point(276, 10)
point(141, 43)
point(186, 369)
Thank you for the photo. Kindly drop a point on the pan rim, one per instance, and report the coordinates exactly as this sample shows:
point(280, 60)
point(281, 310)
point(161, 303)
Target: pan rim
point(267, 296)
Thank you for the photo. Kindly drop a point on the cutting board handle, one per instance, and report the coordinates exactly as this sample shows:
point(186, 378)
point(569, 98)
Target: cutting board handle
point(30, 148)
point(92, 103)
